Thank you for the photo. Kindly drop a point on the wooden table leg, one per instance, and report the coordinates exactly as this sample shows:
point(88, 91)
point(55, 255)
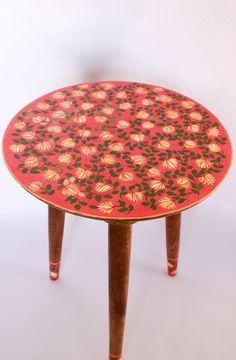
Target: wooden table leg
point(56, 220)
point(173, 224)
point(119, 262)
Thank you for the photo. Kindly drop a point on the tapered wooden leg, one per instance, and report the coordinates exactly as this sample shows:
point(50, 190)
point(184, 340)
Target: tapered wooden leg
point(56, 220)
point(119, 263)
point(173, 224)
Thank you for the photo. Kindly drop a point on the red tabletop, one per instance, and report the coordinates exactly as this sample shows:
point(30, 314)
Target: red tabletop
point(120, 150)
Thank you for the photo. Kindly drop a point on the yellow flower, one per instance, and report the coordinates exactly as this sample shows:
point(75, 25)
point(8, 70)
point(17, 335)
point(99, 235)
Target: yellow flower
point(167, 203)
point(58, 95)
point(170, 163)
point(183, 182)
point(121, 95)
point(172, 114)
point(87, 106)
point(42, 106)
point(207, 179)
point(55, 129)
point(108, 159)
point(138, 159)
point(44, 146)
point(163, 144)
point(141, 90)
point(164, 98)
point(107, 86)
point(187, 104)
point(31, 162)
point(214, 148)
point(125, 106)
point(51, 175)
point(28, 135)
point(203, 163)
point(106, 207)
point(119, 147)
point(126, 176)
point(17, 148)
point(100, 119)
point(157, 185)
point(122, 124)
point(88, 150)
point(70, 190)
point(213, 132)
point(147, 102)
point(68, 143)
point(106, 135)
point(193, 128)
point(38, 119)
point(66, 104)
point(154, 172)
point(81, 173)
point(142, 115)
point(35, 186)
point(148, 125)
point(80, 119)
point(102, 187)
point(78, 93)
point(19, 125)
point(99, 94)
point(59, 114)
point(134, 196)
point(84, 133)
point(137, 137)
point(108, 110)
point(65, 158)
point(169, 129)
point(196, 116)
point(189, 144)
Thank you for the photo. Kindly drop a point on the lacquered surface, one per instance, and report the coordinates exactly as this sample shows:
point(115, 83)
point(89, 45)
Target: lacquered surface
point(117, 150)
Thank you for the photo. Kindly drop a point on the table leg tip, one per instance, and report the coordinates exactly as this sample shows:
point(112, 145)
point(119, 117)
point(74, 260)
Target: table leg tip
point(54, 276)
point(114, 357)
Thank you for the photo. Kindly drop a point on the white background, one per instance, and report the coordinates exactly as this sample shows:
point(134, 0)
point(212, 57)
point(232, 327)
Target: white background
point(188, 46)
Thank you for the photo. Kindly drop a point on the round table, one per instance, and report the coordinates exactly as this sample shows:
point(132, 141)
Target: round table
point(120, 152)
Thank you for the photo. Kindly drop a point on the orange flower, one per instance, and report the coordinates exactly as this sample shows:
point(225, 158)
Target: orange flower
point(44, 146)
point(19, 125)
point(213, 132)
point(154, 172)
point(203, 163)
point(196, 116)
point(157, 185)
point(172, 114)
point(125, 106)
point(137, 137)
point(59, 114)
point(84, 133)
point(122, 124)
point(169, 129)
point(106, 135)
point(88, 150)
point(102, 187)
point(126, 176)
point(100, 119)
point(142, 115)
point(80, 119)
point(189, 144)
point(119, 147)
point(87, 106)
point(170, 163)
point(70, 190)
point(105, 207)
point(68, 143)
point(207, 179)
point(214, 148)
point(148, 125)
point(193, 128)
point(163, 144)
point(35, 186)
point(31, 162)
point(99, 94)
point(134, 196)
point(51, 175)
point(28, 135)
point(184, 182)
point(167, 203)
point(138, 159)
point(108, 159)
point(188, 104)
point(81, 173)
point(65, 158)
point(17, 148)
point(43, 106)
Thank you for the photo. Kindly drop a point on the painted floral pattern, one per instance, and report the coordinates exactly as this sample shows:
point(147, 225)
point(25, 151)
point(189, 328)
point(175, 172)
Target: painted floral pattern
point(117, 150)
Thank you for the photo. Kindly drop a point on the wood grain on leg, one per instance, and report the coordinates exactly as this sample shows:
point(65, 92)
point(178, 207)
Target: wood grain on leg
point(56, 220)
point(119, 263)
point(173, 224)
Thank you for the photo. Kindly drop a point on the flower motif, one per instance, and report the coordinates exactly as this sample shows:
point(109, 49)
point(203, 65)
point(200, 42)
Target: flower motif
point(142, 115)
point(141, 90)
point(44, 146)
point(83, 86)
point(70, 190)
point(84, 133)
point(105, 207)
point(147, 102)
point(170, 114)
point(189, 144)
point(154, 172)
point(106, 135)
point(35, 186)
point(68, 143)
point(88, 150)
point(164, 98)
point(157, 89)
point(78, 93)
point(196, 116)
point(118, 147)
point(138, 159)
point(148, 125)
point(108, 110)
point(157, 185)
point(80, 119)
point(66, 104)
point(81, 173)
point(51, 175)
point(169, 129)
point(19, 125)
point(102, 187)
point(17, 148)
point(43, 106)
point(214, 148)
point(59, 114)
point(207, 179)
point(38, 119)
point(167, 203)
point(58, 95)
point(122, 124)
point(213, 132)
point(65, 158)
point(137, 137)
point(187, 104)
point(136, 196)
point(87, 106)
point(121, 95)
point(163, 144)
point(100, 119)
point(170, 163)
point(126, 176)
point(184, 182)
point(203, 163)
point(125, 106)
point(55, 129)
point(28, 135)
point(193, 128)
point(107, 86)
point(108, 159)
point(99, 95)
point(31, 162)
